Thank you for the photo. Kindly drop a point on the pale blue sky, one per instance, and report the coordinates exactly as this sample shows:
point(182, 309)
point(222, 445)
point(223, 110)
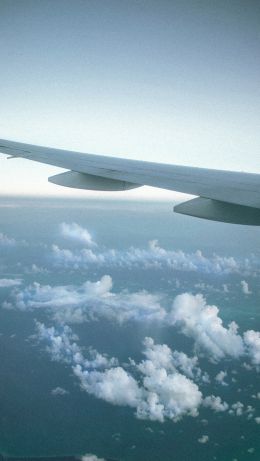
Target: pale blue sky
point(167, 81)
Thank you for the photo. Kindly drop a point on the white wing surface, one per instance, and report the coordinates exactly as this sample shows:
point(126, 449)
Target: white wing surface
point(226, 196)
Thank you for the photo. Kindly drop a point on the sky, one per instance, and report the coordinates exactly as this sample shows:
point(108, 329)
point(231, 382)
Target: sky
point(170, 81)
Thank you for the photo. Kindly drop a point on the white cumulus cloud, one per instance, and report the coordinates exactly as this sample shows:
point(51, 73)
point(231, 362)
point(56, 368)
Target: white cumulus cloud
point(160, 392)
point(77, 233)
point(202, 323)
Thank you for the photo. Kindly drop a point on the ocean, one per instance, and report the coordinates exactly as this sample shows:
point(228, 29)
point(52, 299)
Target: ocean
point(127, 332)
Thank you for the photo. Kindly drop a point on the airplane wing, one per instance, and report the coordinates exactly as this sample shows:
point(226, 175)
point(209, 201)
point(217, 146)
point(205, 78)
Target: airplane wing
point(226, 196)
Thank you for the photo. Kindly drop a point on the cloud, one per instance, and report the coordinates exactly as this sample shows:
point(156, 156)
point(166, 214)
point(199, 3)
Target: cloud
point(113, 385)
point(89, 457)
point(68, 258)
point(61, 344)
point(6, 283)
point(203, 439)
point(245, 287)
point(160, 392)
point(237, 409)
point(220, 378)
point(252, 344)
point(160, 355)
point(153, 256)
point(225, 288)
point(77, 233)
point(6, 241)
point(215, 403)
point(202, 323)
point(59, 391)
point(70, 304)
point(37, 270)
point(169, 394)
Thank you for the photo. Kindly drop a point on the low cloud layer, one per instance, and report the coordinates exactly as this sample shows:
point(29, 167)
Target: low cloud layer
point(189, 313)
point(154, 256)
point(166, 384)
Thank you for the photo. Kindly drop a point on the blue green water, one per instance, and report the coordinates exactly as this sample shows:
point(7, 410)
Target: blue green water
point(35, 422)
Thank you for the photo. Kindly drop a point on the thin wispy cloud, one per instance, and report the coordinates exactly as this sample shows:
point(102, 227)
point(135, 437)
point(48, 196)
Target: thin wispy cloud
point(7, 283)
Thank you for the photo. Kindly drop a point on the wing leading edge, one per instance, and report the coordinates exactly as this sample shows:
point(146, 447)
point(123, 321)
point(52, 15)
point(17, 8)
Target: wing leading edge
point(222, 195)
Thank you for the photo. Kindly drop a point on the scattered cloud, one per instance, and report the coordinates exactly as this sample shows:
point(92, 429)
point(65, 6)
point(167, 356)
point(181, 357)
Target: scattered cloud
point(239, 409)
point(162, 386)
point(68, 304)
point(160, 393)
